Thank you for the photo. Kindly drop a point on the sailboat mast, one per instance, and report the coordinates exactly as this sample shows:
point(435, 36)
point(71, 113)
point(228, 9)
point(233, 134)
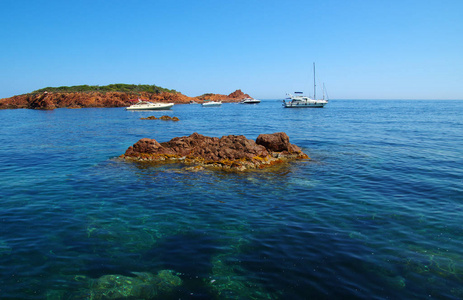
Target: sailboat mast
point(314, 85)
point(323, 91)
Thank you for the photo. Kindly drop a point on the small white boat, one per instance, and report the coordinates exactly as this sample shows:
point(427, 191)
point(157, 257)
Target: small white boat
point(147, 105)
point(249, 101)
point(209, 103)
point(298, 100)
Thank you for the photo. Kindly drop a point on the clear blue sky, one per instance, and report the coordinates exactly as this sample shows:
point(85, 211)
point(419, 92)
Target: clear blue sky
point(363, 49)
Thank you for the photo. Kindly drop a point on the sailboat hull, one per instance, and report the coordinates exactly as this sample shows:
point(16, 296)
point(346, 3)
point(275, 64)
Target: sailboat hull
point(305, 103)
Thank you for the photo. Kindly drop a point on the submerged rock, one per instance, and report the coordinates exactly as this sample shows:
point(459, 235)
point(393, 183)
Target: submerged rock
point(5, 249)
point(144, 286)
point(232, 152)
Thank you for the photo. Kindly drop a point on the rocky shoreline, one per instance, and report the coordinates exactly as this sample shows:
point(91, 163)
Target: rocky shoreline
point(230, 153)
point(52, 100)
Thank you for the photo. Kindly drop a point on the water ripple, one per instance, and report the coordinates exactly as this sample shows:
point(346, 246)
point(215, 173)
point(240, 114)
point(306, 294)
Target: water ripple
point(375, 213)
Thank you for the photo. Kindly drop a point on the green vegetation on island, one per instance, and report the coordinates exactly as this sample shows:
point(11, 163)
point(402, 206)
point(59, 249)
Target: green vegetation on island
point(118, 87)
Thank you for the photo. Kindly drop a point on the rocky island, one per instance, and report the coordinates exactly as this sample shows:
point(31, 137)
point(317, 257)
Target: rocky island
point(113, 95)
point(231, 153)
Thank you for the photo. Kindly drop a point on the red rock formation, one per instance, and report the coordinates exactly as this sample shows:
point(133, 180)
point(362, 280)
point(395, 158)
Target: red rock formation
point(230, 152)
point(236, 96)
point(277, 142)
point(104, 99)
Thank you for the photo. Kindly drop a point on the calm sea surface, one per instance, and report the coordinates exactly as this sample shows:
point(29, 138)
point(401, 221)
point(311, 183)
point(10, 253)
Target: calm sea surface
point(376, 213)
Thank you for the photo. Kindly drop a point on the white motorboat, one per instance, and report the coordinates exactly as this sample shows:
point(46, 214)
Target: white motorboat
point(147, 105)
point(249, 101)
point(298, 100)
point(209, 103)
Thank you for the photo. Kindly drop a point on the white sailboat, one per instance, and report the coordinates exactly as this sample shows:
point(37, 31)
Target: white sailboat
point(298, 100)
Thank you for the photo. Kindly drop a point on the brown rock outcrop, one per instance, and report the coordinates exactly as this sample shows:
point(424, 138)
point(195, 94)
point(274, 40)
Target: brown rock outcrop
point(105, 99)
point(277, 142)
point(232, 152)
point(164, 118)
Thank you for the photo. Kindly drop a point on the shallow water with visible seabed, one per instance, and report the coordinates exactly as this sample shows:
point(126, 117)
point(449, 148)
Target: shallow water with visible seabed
point(376, 212)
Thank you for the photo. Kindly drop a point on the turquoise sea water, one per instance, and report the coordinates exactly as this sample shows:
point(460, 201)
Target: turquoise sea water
point(376, 213)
